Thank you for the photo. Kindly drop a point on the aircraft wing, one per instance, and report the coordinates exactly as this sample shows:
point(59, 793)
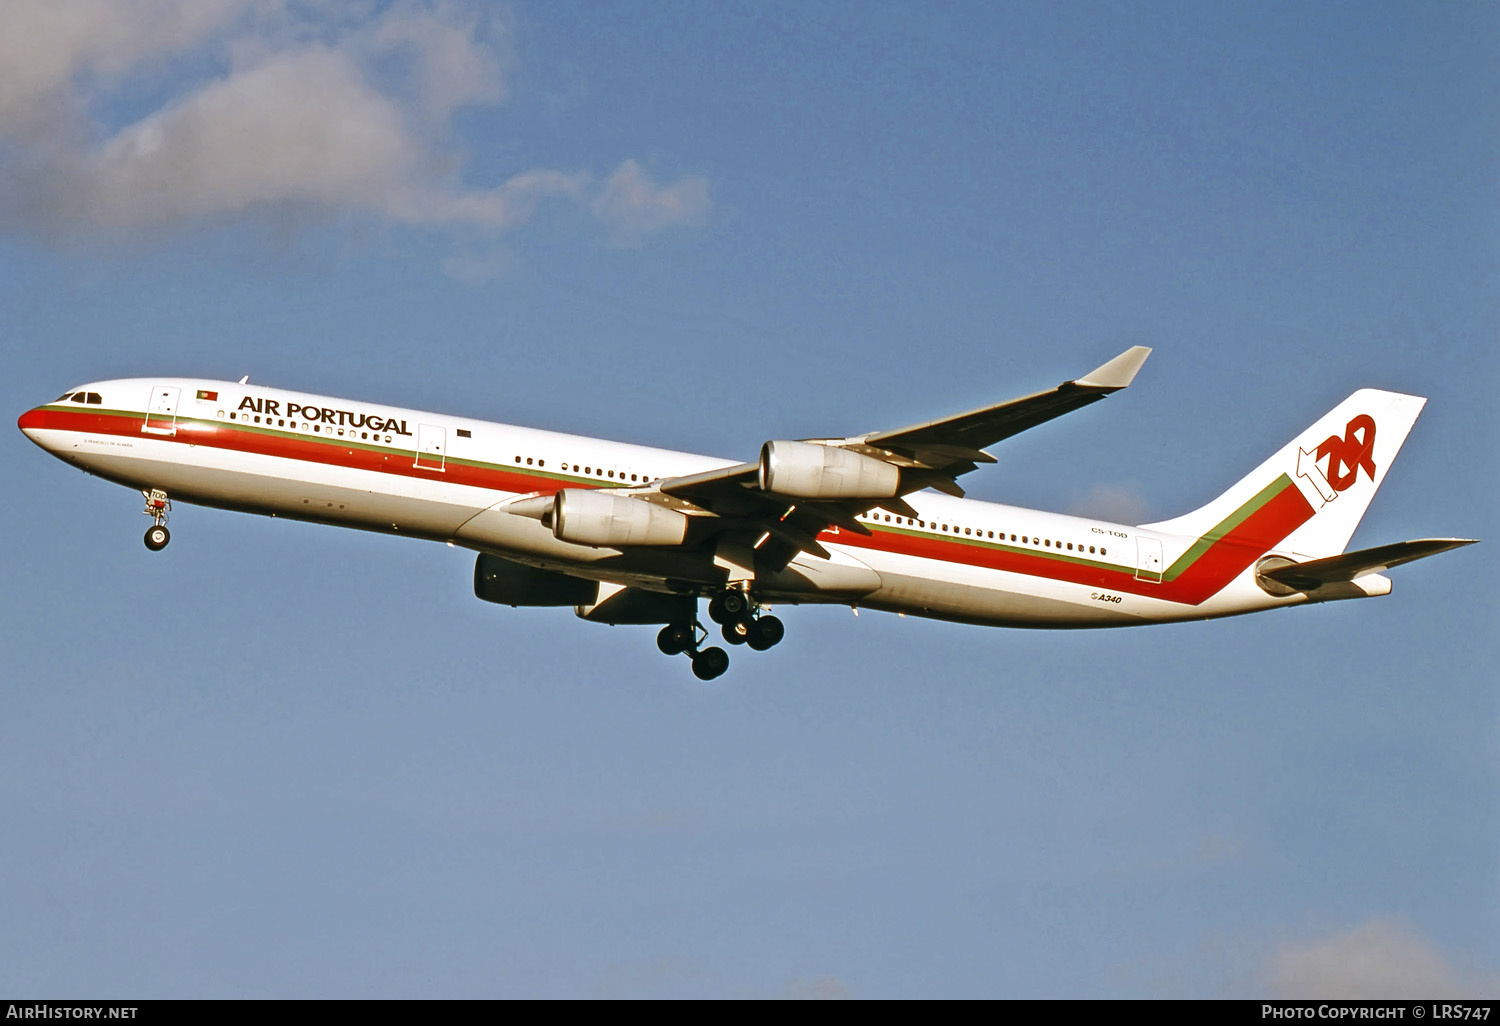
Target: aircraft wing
point(1349, 565)
point(928, 455)
point(953, 445)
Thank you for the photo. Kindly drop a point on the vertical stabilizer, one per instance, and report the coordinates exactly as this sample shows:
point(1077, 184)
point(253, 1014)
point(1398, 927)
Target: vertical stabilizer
point(1336, 466)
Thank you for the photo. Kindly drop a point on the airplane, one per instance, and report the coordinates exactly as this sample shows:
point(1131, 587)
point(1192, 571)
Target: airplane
point(627, 534)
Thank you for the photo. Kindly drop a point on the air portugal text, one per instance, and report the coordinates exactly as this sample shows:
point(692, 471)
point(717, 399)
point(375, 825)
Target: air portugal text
point(324, 415)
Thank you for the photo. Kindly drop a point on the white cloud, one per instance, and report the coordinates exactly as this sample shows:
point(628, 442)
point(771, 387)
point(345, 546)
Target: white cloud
point(316, 111)
point(634, 206)
point(1378, 959)
point(254, 138)
point(46, 45)
point(456, 53)
point(1121, 504)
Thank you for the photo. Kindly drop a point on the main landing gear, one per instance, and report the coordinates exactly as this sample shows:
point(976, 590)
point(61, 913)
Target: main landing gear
point(741, 623)
point(676, 638)
point(157, 508)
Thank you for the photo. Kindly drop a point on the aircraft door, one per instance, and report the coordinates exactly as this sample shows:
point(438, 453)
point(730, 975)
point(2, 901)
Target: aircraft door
point(1148, 559)
point(161, 411)
point(432, 444)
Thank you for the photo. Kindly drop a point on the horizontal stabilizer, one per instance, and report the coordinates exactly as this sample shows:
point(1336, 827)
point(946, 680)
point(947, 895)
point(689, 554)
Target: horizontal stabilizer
point(1349, 565)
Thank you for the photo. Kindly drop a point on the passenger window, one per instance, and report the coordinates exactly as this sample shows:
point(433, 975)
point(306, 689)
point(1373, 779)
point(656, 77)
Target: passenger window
point(463, 433)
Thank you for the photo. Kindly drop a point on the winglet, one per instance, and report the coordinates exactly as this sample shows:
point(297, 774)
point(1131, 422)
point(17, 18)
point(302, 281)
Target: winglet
point(1118, 372)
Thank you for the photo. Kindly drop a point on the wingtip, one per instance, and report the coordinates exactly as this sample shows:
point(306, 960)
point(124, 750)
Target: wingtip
point(1118, 372)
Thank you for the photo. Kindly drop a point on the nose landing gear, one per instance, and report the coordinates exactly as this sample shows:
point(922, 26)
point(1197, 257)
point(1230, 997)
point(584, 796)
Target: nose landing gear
point(742, 623)
point(158, 506)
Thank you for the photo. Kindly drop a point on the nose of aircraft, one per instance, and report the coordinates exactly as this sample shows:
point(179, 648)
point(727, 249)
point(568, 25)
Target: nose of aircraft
point(31, 422)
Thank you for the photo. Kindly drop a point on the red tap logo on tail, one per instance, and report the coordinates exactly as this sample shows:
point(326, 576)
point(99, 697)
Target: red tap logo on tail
point(1346, 457)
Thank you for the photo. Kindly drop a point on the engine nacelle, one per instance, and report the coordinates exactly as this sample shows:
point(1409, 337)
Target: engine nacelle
point(589, 517)
point(803, 470)
point(516, 584)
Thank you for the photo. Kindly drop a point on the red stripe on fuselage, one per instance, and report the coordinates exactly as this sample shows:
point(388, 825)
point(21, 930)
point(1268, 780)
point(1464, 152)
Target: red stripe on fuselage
point(1228, 557)
point(1221, 563)
point(329, 451)
point(1224, 560)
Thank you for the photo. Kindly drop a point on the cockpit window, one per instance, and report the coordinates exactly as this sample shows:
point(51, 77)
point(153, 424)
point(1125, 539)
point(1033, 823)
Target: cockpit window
point(94, 399)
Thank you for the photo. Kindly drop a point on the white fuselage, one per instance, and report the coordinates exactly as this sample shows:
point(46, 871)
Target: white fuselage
point(263, 450)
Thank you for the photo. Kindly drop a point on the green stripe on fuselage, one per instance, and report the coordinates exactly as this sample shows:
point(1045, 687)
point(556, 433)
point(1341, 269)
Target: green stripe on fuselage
point(1226, 525)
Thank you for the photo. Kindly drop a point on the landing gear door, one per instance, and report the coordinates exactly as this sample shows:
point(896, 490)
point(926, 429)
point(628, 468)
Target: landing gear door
point(1148, 559)
point(161, 411)
point(432, 444)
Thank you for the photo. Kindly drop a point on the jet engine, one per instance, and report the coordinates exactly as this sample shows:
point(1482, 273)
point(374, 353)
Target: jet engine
point(804, 470)
point(596, 517)
point(516, 584)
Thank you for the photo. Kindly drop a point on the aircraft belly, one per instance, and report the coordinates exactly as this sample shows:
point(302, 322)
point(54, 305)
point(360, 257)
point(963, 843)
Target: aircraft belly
point(841, 577)
point(979, 595)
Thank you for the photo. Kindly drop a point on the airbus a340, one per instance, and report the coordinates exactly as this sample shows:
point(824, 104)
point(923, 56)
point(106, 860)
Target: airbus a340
point(632, 535)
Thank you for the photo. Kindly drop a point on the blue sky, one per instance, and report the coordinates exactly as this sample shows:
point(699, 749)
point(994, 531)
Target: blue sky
point(288, 760)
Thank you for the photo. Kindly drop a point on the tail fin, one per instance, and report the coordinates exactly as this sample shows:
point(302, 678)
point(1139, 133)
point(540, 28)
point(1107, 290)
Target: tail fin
point(1335, 466)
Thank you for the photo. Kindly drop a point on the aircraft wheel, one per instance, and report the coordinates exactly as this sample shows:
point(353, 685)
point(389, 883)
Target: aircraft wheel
point(675, 638)
point(765, 632)
point(729, 606)
point(710, 663)
point(157, 537)
point(737, 633)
